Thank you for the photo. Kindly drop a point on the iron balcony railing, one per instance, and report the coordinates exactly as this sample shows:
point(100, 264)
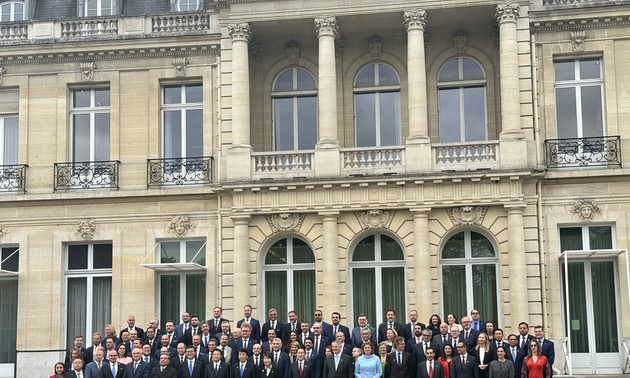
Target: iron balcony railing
point(179, 171)
point(13, 178)
point(86, 175)
point(583, 152)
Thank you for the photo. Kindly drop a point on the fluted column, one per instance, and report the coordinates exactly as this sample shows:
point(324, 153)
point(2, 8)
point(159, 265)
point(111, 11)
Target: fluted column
point(327, 29)
point(415, 23)
point(330, 266)
point(422, 263)
point(516, 257)
point(240, 276)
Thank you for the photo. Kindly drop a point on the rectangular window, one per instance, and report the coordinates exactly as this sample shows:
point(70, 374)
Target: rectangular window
point(89, 288)
point(95, 8)
point(12, 11)
point(9, 262)
point(182, 289)
point(90, 125)
point(9, 102)
point(182, 120)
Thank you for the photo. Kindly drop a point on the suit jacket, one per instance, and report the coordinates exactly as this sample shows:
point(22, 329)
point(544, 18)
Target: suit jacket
point(286, 331)
point(70, 374)
point(518, 362)
point(91, 370)
point(356, 336)
point(395, 370)
point(187, 339)
point(212, 327)
point(255, 327)
point(197, 372)
point(439, 340)
point(471, 341)
point(248, 372)
point(423, 370)
point(382, 330)
point(223, 372)
point(88, 356)
point(142, 371)
point(488, 357)
point(238, 345)
point(407, 332)
point(323, 342)
point(179, 330)
point(138, 329)
point(168, 372)
point(529, 338)
point(283, 365)
point(344, 369)
point(267, 326)
point(418, 356)
point(261, 372)
point(106, 371)
point(459, 370)
point(307, 370)
point(482, 325)
point(547, 350)
point(329, 332)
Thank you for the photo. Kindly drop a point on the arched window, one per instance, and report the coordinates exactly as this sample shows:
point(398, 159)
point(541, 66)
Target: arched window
point(12, 11)
point(294, 96)
point(377, 106)
point(469, 275)
point(289, 277)
point(462, 101)
point(187, 5)
point(378, 277)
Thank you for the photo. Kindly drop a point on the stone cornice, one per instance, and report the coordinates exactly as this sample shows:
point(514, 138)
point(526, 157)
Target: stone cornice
point(586, 23)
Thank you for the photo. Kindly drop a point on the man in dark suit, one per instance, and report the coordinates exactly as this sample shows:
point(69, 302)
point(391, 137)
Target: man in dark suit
point(411, 342)
point(356, 336)
point(216, 321)
point(441, 339)
point(114, 369)
point(254, 323)
point(131, 325)
point(302, 368)
point(546, 346)
point(137, 368)
point(77, 343)
point(475, 321)
point(272, 323)
point(183, 326)
point(217, 368)
point(464, 365)
point(468, 334)
point(390, 322)
point(319, 341)
point(338, 365)
point(191, 367)
point(344, 344)
point(523, 335)
point(194, 329)
point(408, 329)
point(266, 346)
point(163, 370)
point(430, 368)
point(292, 325)
point(89, 352)
point(77, 369)
point(93, 369)
point(515, 354)
point(398, 362)
point(336, 326)
point(419, 352)
point(243, 368)
point(280, 358)
point(152, 339)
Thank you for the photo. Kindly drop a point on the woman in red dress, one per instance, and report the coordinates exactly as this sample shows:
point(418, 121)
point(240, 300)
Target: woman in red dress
point(535, 364)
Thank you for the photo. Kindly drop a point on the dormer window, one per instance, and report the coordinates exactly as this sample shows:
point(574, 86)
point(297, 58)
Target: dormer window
point(187, 5)
point(12, 11)
point(94, 8)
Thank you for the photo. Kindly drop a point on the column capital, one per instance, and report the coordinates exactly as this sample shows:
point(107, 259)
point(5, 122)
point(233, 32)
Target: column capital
point(240, 31)
point(507, 12)
point(415, 19)
point(326, 25)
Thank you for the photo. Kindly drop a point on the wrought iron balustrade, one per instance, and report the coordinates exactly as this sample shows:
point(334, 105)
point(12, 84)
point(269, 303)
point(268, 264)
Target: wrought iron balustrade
point(179, 171)
point(583, 152)
point(86, 175)
point(13, 178)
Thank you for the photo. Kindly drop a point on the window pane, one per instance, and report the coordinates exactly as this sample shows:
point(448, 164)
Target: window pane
point(485, 290)
point(284, 82)
point(600, 237)
point(198, 248)
point(364, 292)
point(450, 71)
point(81, 137)
point(387, 75)
point(475, 113)
point(169, 296)
point(302, 253)
point(77, 256)
point(304, 291)
point(449, 114)
point(305, 81)
point(454, 289)
point(283, 122)
point(277, 254)
point(194, 132)
point(480, 246)
point(590, 69)
point(390, 249)
point(604, 307)
point(8, 325)
point(173, 95)
point(172, 134)
point(276, 291)
point(472, 70)
point(592, 117)
point(101, 148)
point(6, 12)
point(101, 97)
point(196, 294)
point(571, 239)
point(577, 301)
point(393, 289)
point(194, 93)
point(365, 78)
point(102, 256)
point(81, 98)
point(454, 247)
point(365, 120)
point(10, 155)
point(10, 263)
point(169, 252)
point(364, 251)
point(564, 70)
point(566, 113)
point(76, 307)
point(390, 118)
point(101, 303)
point(307, 122)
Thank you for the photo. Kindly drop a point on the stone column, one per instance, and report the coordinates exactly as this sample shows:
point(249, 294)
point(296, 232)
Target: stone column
point(418, 145)
point(330, 267)
point(516, 257)
point(422, 262)
point(240, 275)
point(327, 149)
point(238, 158)
point(513, 151)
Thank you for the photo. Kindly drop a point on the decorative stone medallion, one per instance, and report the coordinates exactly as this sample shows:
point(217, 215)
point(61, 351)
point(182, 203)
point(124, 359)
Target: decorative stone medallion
point(285, 222)
point(87, 229)
point(467, 215)
point(375, 218)
point(585, 209)
point(180, 225)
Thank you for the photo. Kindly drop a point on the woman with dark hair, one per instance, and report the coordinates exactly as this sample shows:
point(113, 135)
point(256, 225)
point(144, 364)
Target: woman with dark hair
point(501, 367)
point(74, 354)
point(59, 370)
point(434, 324)
point(445, 359)
point(267, 370)
point(368, 365)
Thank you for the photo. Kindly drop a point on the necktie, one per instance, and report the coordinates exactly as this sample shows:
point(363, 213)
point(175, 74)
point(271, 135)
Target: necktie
point(399, 358)
point(273, 324)
point(98, 364)
point(135, 366)
point(242, 368)
point(513, 354)
point(466, 335)
point(205, 341)
point(300, 369)
point(276, 357)
point(256, 361)
point(430, 369)
point(308, 355)
point(335, 331)
point(443, 339)
point(79, 375)
point(161, 368)
point(522, 341)
point(216, 323)
point(391, 326)
point(426, 346)
point(216, 367)
point(292, 326)
point(317, 344)
point(113, 370)
point(146, 359)
point(190, 367)
point(336, 361)
point(463, 360)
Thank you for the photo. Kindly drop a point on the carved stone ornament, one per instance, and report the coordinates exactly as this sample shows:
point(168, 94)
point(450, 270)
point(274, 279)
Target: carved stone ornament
point(294, 49)
point(415, 19)
point(285, 222)
point(507, 12)
point(87, 229)
point(3, 231)
point(87, 71)
point(375, 44)
point(180, 66)
point(256, 51)
point(180, 225)
point(467, 215)
point(326, 25)
point(460, 39)
point(585, 209)
point(240, 31)
point(577, 40)
point(375, 218)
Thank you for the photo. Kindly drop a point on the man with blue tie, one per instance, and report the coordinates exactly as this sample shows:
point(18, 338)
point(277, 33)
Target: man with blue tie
point(114, 369)
point(136, 368)
point(191, 367)
point(217, 368)
point(243, 368)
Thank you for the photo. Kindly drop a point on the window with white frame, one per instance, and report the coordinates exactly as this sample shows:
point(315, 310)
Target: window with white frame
point(90, 117)
point(462, 101)
point(8, 139)
point(12, 11)
point(378, 277)
point(182, 289)
point(289, 276)
point(377, 106)
point(579, 90)
point(469, 275)
point(88, 287)
point(182, 120)
point(95, 8)
point(187, 5)
point(9, 262)
point(294, 96)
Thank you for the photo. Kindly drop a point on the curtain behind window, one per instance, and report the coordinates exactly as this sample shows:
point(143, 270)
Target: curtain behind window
point(8, 320)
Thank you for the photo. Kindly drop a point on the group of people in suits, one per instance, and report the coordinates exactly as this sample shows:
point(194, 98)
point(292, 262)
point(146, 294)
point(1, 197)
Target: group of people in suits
point(315, 349)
